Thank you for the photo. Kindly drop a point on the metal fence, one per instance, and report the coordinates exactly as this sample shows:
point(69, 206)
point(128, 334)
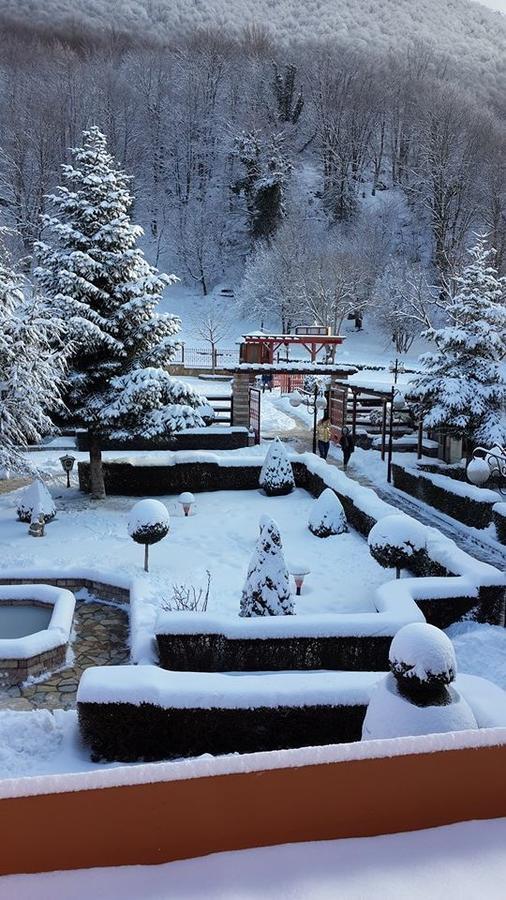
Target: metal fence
point(200, 357)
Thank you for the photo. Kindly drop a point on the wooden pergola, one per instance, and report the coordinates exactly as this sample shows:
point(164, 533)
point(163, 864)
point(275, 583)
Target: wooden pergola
point(260, 348)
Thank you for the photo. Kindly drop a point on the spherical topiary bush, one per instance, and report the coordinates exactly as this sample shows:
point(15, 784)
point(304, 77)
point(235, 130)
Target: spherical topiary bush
point(35, 501)
point(148, 523)
point(422, 657)
point(327, 515)
point(395, 541)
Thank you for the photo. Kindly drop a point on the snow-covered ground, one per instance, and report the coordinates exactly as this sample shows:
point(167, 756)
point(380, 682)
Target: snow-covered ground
point(458, 862)
point(219, 537)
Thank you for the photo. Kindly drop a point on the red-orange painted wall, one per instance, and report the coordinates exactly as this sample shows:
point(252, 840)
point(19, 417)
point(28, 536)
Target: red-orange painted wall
point(155, 823)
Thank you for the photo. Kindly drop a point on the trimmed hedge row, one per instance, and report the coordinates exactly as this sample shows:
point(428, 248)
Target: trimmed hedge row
point(126, 732)
point(207, 440)
point(499, 519)
point(477, 513)
point(218, 653)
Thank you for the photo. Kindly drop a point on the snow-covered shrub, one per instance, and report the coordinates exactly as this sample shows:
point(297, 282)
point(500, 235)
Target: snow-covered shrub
point(395, 540)
point(327, 515)
point(276, 476)
point(310, 381)
point(35, 501)
point(417, 696)
point(148, 523)
point(266, 591)
point(422, 655)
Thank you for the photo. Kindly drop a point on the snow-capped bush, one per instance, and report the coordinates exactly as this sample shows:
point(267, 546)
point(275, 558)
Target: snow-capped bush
point(422, 655)
point(267, 588)
point(276, 476)
point(327, 515)
point(35, 501)
point(148, 523)
point(395, 540)
point(417, 696)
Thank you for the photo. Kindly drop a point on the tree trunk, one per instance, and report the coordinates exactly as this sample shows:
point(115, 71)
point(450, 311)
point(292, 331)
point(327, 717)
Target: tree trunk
point(97, 487)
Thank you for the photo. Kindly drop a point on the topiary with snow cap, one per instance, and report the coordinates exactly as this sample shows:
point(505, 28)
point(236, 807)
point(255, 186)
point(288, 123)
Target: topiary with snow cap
point(276, 476)
point(35, 501)
point(327, 515)
point(266, 591)
point(417, 696)
point(395, 541)
point(423, 656)
point(148, 523)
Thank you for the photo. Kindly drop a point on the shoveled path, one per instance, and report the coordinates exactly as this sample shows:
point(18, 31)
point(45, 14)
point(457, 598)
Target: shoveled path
point(467, 539)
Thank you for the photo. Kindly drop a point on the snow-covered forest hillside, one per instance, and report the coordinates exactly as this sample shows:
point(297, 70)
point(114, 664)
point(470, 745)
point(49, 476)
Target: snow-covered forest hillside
point(362, 141)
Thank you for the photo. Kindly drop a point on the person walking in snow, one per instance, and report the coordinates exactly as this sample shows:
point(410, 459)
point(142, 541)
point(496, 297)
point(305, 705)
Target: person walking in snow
point(323, 435)
point(347, 445)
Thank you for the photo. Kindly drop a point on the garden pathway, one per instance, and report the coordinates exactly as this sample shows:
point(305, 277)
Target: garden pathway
point(300, 439)
point(101, 639)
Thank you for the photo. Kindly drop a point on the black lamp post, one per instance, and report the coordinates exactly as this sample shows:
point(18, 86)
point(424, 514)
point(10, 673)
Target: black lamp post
point(67, 464)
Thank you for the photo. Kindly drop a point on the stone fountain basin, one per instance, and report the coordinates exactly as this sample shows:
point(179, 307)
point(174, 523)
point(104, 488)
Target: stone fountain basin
point(35, 626)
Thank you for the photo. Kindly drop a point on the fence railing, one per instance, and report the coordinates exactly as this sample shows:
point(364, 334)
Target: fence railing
point(200, 357)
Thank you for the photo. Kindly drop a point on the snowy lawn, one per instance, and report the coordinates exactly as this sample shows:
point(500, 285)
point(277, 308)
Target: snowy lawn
point(462, 861)
point(219, 537)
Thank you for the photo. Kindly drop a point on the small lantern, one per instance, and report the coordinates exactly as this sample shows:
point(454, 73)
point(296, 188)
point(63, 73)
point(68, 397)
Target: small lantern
point(67, 464)
point(186, 499)
point(321, 402)
point(295, 399)
point(299, 572)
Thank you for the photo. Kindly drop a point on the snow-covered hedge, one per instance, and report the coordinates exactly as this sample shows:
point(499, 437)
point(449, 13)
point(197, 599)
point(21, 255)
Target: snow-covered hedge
point(463, 501)
point(499, 516)
point(147, 713)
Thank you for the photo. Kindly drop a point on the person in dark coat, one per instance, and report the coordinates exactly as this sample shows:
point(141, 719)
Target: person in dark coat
point(347, 445)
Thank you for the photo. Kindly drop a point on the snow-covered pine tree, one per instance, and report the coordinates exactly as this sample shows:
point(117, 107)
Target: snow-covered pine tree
point(267, 588)
point(267, 170)
point(119, 384)
point(32, 363)
point(276, 474)
point(463, 388)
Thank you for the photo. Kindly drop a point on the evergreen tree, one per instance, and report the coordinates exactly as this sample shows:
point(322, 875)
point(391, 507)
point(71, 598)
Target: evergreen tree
point(463, 388)
point(290, 102)
point(32, 362)
point(266, 174)
point(108, 293)
point(276, 474)
point(267, 588)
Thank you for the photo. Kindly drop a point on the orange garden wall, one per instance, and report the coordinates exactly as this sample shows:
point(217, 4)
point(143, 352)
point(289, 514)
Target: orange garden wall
point(165, 820)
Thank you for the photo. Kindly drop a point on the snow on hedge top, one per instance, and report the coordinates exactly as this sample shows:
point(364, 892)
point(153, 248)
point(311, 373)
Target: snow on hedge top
point(420, 651)
point(36, 500)
point(147, 514)
point(398, 531)
point(327, 515)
